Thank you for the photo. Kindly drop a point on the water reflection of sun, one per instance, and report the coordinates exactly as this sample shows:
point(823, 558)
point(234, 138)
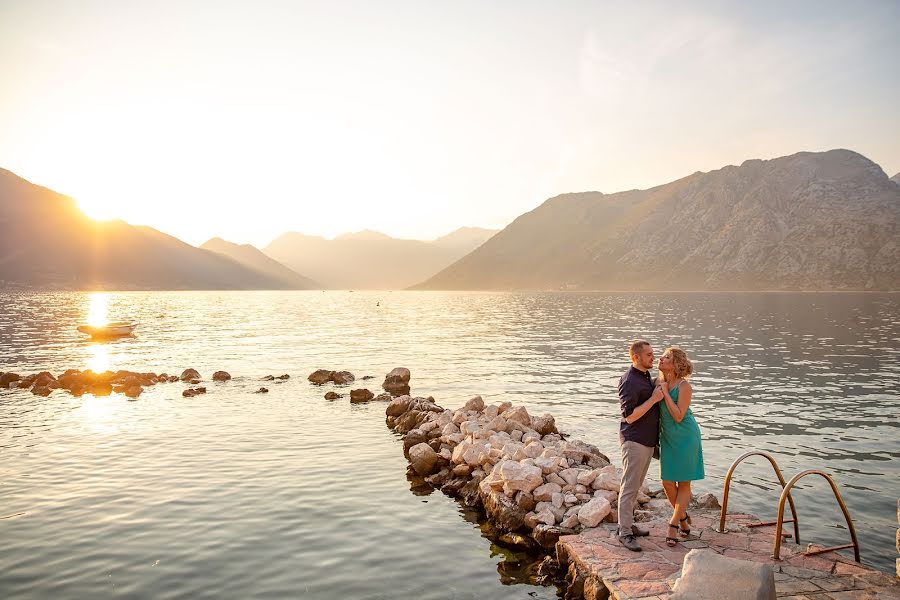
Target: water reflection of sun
point(98, 361)
point(97, 310)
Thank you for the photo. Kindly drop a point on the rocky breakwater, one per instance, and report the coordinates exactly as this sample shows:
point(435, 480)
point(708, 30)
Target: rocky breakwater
point(395, 382)
point(533, 483)
point(105, 383)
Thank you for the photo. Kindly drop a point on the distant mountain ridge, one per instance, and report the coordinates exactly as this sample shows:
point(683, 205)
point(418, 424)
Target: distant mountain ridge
point(47, 242)
point(896, 178)
point(253, 258)
point(372, 260)
point(809, 221)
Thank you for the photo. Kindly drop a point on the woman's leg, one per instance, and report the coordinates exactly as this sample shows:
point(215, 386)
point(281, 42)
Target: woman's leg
point(682, 499)
point(671, 490)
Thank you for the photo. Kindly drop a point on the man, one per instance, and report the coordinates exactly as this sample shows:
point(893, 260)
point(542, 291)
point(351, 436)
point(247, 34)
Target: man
point(638, 435)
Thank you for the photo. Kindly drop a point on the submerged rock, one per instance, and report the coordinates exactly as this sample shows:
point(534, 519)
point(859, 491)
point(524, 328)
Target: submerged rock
point(189, 374)
point(320, 376)
point(360, 395)
point(191, 392)
point(332, 396)
point(342, 377)
point(262, 390)
point(396, 382)
point(221, 376)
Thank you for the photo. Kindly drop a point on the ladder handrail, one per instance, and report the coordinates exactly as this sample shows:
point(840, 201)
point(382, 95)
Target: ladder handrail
point(786, 495)
point(778, 474)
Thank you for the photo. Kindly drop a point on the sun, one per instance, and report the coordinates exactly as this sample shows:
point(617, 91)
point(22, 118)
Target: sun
point(98, 210)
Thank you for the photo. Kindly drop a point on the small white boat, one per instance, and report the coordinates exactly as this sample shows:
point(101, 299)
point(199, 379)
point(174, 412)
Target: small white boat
point(115, 329)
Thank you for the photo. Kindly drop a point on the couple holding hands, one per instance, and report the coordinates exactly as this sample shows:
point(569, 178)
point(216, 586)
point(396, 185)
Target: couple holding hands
point(645, 425)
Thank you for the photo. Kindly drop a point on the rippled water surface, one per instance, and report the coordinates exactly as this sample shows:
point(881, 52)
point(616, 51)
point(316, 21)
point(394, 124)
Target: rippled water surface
point(235, 494)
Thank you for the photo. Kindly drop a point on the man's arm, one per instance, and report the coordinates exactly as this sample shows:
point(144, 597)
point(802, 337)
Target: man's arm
point(632, 408)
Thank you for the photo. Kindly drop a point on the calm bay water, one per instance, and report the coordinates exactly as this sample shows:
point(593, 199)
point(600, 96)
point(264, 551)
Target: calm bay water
point(239, 495)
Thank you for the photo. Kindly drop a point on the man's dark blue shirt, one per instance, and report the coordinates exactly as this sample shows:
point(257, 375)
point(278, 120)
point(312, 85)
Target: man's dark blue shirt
point(635, 388)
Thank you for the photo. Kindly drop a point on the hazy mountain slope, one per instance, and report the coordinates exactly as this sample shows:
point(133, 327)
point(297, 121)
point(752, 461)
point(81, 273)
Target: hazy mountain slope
point(368, 259)
point(252, 257)
point(465, 239)
point(48, 242)
point(896, 178)
point(812, 221)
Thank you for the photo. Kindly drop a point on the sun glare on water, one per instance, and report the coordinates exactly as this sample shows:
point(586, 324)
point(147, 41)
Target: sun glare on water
point(97, 309)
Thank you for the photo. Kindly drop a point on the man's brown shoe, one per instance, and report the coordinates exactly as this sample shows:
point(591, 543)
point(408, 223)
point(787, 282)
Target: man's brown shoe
point(629, 542)
point(635, 531)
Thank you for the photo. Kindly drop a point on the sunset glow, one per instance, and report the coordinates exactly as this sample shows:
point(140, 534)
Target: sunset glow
point(328, 121)
point(97, 309)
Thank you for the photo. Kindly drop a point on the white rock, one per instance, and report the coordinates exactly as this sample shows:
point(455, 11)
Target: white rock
point(546, 517)
point(498, 423)
point(531, 436)
point(459, 417)
point(476, 455)
point(521, 477)
point(643, 498)
point(546, 464)
point(588, 477)
point(549, 452)
point(544, 493)
point(455, 438)
point(475, 404)
point(459, 451)
point(571, 499)
point(555, 478)
point(611, 496)
point(557, 500)
point(444, 418)
point(504, 406)
point(592, 513)
point(423, 458)
point(533, 449)
point(607, 481)
point(518, 415)
point(491, 411)
point(516, 435)
point(570, 521)
point(449, 429)
point(570, 476)
point(467, 427)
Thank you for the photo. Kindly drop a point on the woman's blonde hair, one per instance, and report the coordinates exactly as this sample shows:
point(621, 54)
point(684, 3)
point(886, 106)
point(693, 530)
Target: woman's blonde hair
point(680, 361)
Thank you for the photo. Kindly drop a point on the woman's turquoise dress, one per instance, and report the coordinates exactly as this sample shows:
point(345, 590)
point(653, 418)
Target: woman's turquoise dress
point(680, 451)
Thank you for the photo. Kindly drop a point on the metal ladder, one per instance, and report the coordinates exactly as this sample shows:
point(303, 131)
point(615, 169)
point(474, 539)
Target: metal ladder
point(786, 497)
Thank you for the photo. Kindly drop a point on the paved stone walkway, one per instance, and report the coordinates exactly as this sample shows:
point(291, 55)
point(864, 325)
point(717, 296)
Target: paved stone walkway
point(651, 574)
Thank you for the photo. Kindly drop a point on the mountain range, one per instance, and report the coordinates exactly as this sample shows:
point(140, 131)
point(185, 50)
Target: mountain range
point(47, 242)
point(809, 221)
point(372, 260)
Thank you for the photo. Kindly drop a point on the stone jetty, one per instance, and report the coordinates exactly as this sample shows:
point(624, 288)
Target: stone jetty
point(542, 490)
point(105, 383)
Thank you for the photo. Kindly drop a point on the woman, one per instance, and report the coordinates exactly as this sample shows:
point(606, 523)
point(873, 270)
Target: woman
point(680, 452)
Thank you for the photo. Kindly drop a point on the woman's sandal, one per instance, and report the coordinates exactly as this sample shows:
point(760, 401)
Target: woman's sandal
point(672, 541)
point(682, 530)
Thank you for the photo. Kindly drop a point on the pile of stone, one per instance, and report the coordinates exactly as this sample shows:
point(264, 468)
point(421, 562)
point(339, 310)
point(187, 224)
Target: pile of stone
point(323, 376)
point(527, 476)
point(78, 383)
point(395, 383)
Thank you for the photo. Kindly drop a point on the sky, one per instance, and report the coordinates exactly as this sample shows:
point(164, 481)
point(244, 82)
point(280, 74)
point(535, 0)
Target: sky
point(245, 120)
